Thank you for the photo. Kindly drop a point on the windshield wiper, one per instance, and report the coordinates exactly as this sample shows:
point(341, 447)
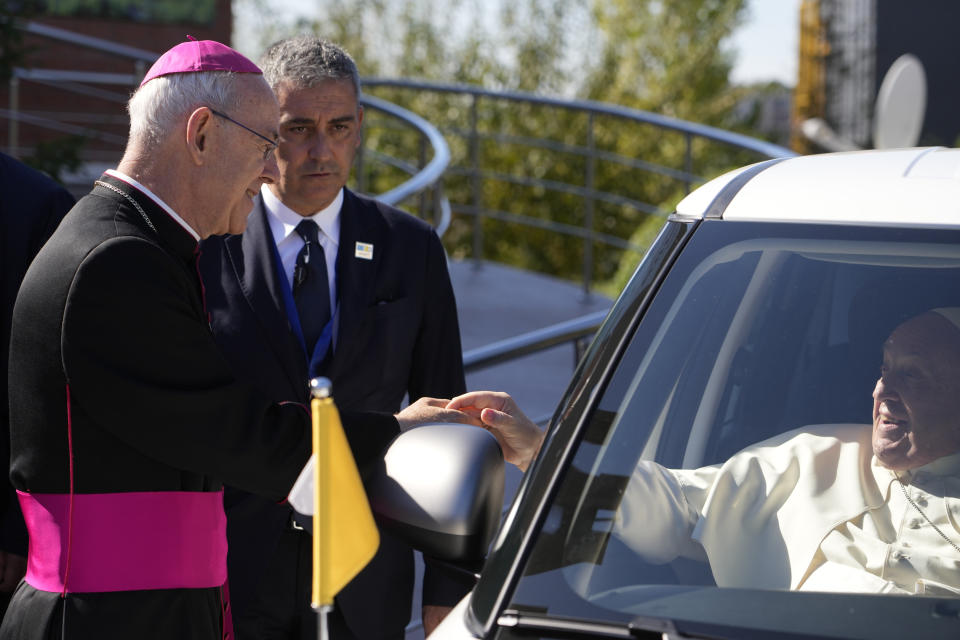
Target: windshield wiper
point(640, 628)
point(750, 614)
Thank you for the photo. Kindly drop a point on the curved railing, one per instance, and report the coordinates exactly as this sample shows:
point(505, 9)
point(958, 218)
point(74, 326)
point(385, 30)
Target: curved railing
point(469, 166)
point(691, 129)
point(427, 178)
point(421, 181)
point(571, 331)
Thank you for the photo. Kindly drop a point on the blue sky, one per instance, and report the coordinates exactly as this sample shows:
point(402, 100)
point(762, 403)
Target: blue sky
point(767, 42)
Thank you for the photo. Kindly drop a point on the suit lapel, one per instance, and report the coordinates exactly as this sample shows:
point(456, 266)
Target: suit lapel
point(259, 276)
point(356, 277)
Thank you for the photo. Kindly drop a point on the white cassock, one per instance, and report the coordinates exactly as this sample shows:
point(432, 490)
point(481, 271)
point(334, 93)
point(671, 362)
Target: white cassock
point(810, 509)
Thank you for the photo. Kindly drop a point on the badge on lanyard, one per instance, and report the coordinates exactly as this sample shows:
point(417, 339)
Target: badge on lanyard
point(364, 251)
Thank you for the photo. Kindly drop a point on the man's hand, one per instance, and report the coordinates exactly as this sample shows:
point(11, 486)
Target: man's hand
point(12, 570)
point(432, 616)
point(427, 410)
point(519, 437)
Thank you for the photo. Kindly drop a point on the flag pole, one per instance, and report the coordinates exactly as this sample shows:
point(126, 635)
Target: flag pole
point(319, 393)
point(322, 629)
point(341, 551)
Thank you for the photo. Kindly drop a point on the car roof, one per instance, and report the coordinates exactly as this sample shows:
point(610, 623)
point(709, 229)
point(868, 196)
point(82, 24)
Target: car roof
point(901, 187)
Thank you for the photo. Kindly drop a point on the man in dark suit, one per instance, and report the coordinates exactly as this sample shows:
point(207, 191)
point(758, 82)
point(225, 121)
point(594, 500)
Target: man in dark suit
point(327, 282)
point(31, 207)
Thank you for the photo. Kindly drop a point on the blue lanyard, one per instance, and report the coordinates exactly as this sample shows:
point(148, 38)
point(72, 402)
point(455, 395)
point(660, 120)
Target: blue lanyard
point(326, 336)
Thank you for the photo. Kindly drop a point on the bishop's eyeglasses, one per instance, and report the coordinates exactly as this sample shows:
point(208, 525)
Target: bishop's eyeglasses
point(273, 143)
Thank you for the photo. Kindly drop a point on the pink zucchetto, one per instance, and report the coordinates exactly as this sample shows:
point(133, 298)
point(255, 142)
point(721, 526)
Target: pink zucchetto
point(199, 55)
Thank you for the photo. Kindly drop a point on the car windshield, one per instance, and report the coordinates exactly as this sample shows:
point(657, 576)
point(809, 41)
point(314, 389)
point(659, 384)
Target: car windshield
point(761, 333)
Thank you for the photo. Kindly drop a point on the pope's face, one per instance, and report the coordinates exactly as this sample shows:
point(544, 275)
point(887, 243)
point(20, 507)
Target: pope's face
point(319, 136)
point(249, 159)
point(916, 403)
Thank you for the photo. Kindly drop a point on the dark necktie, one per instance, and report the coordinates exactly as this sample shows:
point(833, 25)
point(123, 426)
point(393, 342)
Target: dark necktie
point(311, 290)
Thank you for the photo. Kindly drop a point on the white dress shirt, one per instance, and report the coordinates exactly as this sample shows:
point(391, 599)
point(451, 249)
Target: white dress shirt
point(283, 223)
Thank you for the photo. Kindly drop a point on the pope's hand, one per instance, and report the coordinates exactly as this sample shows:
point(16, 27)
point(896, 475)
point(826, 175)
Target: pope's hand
point(519, 437)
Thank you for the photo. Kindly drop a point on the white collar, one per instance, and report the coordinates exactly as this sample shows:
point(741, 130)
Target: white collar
point(150, 194)
point(328, 218)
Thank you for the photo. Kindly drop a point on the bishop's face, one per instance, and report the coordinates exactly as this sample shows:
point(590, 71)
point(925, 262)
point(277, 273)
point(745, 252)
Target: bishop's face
point(319, 137)
point(916, 402)
point(248, 158)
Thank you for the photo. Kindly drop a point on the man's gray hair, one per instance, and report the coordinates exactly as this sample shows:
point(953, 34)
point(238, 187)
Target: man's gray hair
point(157, 107)
point(306, 61)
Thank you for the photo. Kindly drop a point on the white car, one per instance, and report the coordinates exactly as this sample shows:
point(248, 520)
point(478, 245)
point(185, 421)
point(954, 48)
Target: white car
point(760, 310)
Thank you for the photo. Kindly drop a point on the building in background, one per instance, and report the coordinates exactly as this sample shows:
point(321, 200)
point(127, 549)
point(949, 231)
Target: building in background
point(77, 62)
point(847, 47)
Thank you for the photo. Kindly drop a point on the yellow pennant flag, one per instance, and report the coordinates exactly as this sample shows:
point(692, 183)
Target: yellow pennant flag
point(345, 536)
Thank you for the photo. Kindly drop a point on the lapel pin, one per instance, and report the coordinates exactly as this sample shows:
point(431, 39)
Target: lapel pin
point(364, 251)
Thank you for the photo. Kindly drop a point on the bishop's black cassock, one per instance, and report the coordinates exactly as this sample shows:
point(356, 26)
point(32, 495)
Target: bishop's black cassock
point(125, 422)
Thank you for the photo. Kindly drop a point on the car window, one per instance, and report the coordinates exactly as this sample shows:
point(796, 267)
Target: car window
point(759, 331)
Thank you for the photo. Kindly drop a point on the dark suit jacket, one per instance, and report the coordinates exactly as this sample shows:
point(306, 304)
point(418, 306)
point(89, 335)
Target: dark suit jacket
point(31, 207)
point(398, 334)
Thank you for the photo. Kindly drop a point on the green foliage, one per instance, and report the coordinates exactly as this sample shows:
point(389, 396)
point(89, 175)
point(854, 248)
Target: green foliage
point(55, 156)
point(665, 57)
point(535, 160)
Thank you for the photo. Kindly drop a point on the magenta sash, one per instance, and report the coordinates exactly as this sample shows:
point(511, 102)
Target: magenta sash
point(125, 541)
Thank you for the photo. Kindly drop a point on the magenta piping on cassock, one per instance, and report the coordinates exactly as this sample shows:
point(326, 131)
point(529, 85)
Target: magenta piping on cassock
point(203, 288)
point(66, 570)
point(125, 541)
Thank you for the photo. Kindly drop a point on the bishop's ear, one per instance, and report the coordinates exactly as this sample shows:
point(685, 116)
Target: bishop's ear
point(199, 129)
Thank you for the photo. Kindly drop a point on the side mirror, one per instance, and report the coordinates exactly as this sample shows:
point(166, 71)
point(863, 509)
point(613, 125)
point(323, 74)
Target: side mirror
point(441, 491)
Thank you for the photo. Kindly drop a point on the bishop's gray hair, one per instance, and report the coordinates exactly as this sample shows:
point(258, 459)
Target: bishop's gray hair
point(157, 107)
point(306, 61)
